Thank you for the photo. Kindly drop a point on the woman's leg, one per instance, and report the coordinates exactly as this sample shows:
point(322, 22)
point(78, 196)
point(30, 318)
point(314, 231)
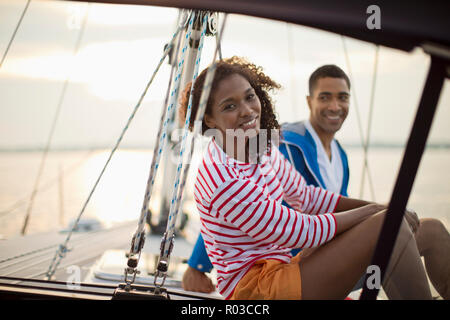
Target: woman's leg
point(330, 271)
point(433, 241)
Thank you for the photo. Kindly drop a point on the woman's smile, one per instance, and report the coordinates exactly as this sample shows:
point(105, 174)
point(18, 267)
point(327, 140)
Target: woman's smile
point(251, 124)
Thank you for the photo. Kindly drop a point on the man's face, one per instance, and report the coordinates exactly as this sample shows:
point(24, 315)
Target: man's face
point(329, 104)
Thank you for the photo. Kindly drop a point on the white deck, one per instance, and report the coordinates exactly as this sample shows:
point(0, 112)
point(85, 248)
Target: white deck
point(110, 268)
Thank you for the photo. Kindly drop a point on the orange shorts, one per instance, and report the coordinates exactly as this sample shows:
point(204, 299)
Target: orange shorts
point(271, 280)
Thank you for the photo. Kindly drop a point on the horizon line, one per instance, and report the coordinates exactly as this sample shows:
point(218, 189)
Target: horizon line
point(379, 145)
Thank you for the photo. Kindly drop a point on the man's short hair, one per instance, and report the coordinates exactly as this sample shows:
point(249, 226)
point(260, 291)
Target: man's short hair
point(329, 70)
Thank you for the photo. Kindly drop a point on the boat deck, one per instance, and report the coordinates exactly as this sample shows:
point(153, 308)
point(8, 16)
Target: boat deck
point(98, 256)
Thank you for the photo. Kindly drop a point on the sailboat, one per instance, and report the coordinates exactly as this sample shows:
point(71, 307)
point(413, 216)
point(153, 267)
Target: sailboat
point(152, 267)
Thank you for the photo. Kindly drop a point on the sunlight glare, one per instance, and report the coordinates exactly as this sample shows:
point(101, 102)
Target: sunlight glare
point(119, 195)
point(131, 15)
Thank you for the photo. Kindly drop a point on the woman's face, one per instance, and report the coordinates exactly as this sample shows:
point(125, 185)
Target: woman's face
point(236, 108)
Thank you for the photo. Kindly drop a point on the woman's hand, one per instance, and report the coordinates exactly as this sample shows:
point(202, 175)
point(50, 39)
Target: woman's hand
point(194, 280)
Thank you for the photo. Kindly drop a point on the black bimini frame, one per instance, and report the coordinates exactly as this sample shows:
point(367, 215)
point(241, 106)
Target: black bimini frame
point(438, 71)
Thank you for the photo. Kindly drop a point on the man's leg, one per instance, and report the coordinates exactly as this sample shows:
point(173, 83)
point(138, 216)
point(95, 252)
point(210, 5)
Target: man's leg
point(433, 242)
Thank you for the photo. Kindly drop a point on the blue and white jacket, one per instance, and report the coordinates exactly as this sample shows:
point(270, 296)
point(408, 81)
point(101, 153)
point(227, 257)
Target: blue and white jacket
point(304, 154)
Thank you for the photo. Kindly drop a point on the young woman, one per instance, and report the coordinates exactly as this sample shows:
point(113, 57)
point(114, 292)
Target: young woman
point(249, 234)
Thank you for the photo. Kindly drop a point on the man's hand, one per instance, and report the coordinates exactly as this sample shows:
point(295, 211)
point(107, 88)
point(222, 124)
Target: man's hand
point(412, 219)
point(194, 280)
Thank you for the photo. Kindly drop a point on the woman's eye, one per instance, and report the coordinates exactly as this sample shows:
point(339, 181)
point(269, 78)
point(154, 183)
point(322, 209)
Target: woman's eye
point(251, 96)
point(228, 106)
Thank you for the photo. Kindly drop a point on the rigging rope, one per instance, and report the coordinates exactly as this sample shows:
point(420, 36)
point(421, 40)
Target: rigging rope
point(139, 236)
point(176, 189)
point(52, 130)
point(369, 126)
point(294, 103)
point(175, 57)
point(358, 117)
point(199, 116)
point(168, 238)
point(14, 33)
point(219, 40)
point(137, 241)
point(60, 253)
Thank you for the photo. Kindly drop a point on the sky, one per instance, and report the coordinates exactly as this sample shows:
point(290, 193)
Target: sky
point(122, 45)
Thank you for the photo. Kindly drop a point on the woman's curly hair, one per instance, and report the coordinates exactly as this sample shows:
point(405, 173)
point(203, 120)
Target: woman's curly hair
point(261, 83)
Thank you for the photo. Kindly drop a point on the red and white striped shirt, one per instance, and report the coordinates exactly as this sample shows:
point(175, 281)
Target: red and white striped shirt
point(242, 216)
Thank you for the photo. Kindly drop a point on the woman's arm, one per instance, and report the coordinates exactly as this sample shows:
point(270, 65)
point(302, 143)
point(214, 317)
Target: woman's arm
point(304, 198)
point(349, 218)
point(346, 203)
point(245, 206)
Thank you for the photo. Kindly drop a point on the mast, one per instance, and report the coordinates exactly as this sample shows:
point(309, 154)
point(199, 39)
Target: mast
point(170, 153)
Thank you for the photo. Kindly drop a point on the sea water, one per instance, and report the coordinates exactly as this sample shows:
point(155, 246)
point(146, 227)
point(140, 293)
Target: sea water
point(68, 177)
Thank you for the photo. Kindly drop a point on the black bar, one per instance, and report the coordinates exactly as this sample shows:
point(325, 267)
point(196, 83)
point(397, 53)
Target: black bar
point(46, 289)
point(408, 170)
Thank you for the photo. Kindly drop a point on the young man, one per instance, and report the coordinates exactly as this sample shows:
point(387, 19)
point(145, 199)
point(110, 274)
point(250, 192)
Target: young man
point(311, 146)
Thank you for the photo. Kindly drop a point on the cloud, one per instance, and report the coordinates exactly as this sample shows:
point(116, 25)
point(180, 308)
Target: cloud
point(111, 70)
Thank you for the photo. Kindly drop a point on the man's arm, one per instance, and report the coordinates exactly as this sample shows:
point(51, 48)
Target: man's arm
point(199, 259)
point(194, 278)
